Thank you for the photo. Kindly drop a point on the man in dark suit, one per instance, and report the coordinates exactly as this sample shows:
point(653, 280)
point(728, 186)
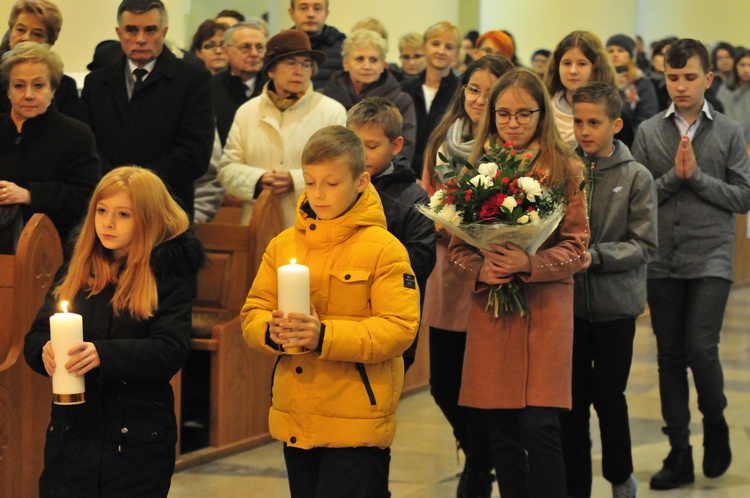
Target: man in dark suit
point(244, 48)
point(151, 108)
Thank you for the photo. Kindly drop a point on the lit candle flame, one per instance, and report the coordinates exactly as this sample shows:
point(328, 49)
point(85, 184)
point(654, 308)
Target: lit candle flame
point(293, 261)
point(65, 306)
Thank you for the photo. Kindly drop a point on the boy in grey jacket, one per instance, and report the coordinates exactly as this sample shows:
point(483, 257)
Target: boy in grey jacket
point(609, 294)
point(700, 164)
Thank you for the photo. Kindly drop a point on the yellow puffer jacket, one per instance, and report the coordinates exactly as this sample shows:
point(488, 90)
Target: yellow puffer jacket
point(364, 291)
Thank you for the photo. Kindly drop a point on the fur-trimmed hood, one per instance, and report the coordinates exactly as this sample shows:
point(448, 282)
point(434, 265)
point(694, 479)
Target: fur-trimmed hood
point(184, 255)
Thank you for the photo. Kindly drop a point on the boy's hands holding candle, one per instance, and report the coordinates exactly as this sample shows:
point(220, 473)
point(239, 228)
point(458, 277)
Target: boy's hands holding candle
point(83, 358)
point(296, 329)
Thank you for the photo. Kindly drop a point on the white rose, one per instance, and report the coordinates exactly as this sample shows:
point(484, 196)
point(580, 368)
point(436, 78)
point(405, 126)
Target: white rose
point(451, 215)
point(531, 187)
point(534, 216)
point(437, 199)
point(510, 203)
point(483, 181)
point(523, 219)
point(488, 169)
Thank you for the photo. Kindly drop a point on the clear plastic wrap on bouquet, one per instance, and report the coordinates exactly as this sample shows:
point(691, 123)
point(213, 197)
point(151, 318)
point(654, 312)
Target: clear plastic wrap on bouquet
point(508, 297)
point(528, 237)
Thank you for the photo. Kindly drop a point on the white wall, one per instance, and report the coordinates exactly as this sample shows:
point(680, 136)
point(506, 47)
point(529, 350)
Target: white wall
point(542, 23)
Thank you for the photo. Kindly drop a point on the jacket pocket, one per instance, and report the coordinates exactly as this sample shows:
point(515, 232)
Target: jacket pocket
point(144, 421)
point(354, 286)
point(366, 381)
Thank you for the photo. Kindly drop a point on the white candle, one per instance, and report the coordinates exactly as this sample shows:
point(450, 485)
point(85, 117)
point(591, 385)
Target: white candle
point(294, 289)
point(66, 330)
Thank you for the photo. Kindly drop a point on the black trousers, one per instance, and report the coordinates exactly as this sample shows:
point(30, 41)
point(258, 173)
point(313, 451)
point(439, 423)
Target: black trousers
point(360, 472)
point(469, 424)
point(602, 355)
point(526, 452)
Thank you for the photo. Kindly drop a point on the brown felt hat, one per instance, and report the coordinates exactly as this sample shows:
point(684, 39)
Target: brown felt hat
point(290, 43)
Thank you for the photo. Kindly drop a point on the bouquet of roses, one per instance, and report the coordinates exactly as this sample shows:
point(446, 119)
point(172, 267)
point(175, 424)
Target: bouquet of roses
point(497, 202)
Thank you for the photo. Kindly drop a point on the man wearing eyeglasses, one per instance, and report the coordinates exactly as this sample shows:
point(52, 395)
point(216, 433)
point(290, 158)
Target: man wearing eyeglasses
point(150, 108)
point(265, 143)
point(244, 48)
point(310, 16)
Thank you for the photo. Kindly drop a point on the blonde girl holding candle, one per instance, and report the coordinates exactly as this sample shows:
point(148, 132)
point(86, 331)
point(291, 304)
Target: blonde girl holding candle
point(517, 368)
point(129, 277)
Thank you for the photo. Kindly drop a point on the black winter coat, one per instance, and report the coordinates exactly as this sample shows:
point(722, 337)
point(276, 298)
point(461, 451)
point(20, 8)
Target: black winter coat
point(426, 122)
point(399, 194)
point(54, 157)
point(167, 126)
point(121, 441)
point(340, 88)
point(329, 41)
point(229, 93)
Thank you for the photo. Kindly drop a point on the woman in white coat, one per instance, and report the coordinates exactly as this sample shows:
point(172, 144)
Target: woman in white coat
point(265, 143)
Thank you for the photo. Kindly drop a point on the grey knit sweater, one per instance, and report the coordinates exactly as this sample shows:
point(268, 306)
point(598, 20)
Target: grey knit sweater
point(696, 216)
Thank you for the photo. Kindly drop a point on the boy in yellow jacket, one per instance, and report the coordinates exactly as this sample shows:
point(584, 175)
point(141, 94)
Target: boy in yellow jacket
point(334, 406)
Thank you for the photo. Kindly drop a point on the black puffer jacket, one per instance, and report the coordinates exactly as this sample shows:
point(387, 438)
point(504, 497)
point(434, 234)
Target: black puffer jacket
point(340, 88)
point(400, 194)
point(330, 42)
point(121, 441)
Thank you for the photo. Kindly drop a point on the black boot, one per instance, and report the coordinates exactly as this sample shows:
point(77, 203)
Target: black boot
point(677, 470)
point(717, 455)
point(474, 484)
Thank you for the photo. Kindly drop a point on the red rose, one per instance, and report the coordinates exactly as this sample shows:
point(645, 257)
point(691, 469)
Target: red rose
point(488, 211)
point(449, 199)
point(506, 180)
point(513, 151)
point(530, 209)
point(467, 195)
point(508, 145)
point(497, 199)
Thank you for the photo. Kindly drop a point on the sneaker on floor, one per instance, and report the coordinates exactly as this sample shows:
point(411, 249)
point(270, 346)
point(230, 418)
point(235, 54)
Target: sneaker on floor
point(717, 455)
point(626, 489)
point(677, 470)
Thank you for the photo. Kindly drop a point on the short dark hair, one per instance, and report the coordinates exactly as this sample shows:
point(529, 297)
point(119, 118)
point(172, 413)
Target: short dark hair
point(141, 7)
point(335, 142)
point(377, 111)
point(682, 50)
point(292, 4)
point(600, 93)
point(231, 13)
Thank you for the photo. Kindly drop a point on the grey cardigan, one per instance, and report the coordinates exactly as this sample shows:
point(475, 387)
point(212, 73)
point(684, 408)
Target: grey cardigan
point(622, 219)
point(696, 216)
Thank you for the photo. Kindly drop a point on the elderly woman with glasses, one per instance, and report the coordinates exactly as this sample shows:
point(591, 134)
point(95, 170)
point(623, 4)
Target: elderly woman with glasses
point(208, 45)
point(40, 21)
point(48, 161)
point(365, 75)
point(265, 143)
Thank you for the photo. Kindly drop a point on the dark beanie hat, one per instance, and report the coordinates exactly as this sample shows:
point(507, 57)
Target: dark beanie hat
point(623, 41)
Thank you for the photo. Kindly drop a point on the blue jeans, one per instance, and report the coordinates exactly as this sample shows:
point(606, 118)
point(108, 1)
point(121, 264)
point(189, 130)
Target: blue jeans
point(687, 316)
point(602, 355)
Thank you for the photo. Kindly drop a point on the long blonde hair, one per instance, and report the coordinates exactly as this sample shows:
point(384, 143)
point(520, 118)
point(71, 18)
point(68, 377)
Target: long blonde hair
point(157, 218)
point(555, 158)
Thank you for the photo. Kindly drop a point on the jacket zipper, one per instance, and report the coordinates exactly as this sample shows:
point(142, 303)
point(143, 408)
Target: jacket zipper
point(592, 183)
point(366, 381)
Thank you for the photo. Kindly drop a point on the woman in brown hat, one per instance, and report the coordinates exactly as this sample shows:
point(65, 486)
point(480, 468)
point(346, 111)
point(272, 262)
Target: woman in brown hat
point(264, 147)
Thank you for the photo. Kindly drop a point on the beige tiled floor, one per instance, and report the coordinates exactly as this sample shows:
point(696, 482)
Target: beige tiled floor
point(424, 461)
